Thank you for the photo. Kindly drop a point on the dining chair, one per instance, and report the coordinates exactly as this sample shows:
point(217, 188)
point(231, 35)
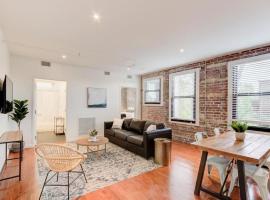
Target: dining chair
point(220, 163)
point(58, 159)
point(258, 174)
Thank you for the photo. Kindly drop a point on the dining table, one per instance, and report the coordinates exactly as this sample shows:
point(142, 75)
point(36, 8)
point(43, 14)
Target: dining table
point(254, 149)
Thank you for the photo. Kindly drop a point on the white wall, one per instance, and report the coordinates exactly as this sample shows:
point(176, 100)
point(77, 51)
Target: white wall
point(4, 69)
point(25, 70)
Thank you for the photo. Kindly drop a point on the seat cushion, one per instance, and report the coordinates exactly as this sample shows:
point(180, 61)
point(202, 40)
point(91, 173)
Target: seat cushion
point(110, 131)
point(122, 134)
point(137, 126)
point(135, 139)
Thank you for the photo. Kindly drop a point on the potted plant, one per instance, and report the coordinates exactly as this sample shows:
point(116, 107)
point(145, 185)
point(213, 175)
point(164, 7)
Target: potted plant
point(19, 113)
point(93, 135)
point(240, 129)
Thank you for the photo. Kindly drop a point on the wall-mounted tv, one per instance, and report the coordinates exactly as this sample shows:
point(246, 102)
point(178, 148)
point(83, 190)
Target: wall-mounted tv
point(6, 97)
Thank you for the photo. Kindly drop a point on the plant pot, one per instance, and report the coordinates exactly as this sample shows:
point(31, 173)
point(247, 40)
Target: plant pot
point(93, 138)
point(240, 136)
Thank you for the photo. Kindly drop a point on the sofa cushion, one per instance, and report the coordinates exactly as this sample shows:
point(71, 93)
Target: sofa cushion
point(137, 126)
point(126, 124)
point(135, 139)
point(122, 134)
point(158, 125)
point(110, 131)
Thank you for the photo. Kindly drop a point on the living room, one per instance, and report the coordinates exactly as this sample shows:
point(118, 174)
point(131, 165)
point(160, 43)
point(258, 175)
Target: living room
point(151, 88)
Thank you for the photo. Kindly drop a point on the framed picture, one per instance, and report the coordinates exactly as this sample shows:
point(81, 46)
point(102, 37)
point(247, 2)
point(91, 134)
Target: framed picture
point(96, 97)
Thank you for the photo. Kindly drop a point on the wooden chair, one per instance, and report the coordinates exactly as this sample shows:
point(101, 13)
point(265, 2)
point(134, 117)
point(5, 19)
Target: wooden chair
point(59, 158)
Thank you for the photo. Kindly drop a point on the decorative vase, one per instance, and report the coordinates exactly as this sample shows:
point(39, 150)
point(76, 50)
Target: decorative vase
point(240, 136)
point(93, 138)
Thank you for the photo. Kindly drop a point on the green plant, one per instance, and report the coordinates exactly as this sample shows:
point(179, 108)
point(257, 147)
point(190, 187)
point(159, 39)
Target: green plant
point(239, 126)
point(20, 111)
point(93, 133)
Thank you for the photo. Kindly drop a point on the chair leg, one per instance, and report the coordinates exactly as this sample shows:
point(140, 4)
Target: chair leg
point(68, 184)
point(83, 173)
point(57, 177)
point(44, 184)
point(209, 168)
point(233, 180)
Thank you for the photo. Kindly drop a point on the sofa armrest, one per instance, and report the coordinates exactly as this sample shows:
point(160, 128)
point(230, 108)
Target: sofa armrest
point(148, 139)
point(108, 125)
point(164, 133)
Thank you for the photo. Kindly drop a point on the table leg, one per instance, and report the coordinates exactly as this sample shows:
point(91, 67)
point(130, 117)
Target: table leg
point(20, 162)
point(105, 148)
point(242, 179)
point(77, 147)
point(201, 173)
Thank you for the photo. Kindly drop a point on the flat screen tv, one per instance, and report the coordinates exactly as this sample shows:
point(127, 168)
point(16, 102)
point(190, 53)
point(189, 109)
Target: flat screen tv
point(6, 100)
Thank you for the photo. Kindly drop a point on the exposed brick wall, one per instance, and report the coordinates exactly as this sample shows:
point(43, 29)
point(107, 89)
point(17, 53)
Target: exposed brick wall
point(213, 94)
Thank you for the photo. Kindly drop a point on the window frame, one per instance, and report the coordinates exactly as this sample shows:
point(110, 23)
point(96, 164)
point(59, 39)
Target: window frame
point(161, 91)
point(197, 97)
point(230, 66)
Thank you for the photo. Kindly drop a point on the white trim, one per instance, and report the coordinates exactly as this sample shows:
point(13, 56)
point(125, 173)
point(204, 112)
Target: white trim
point(197, 71)
point(229, 68)
point(161, 90)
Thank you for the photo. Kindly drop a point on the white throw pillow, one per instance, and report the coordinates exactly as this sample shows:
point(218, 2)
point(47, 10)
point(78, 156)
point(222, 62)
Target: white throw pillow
point(117, 123)
point(151, 128)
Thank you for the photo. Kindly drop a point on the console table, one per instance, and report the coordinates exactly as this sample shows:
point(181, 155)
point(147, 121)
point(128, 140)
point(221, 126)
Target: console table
point(13, 137)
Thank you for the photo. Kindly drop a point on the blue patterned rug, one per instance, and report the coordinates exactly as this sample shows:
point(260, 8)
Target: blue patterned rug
point(101, 169)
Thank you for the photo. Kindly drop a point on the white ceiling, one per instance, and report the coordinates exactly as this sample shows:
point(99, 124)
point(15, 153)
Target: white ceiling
point(144, 34)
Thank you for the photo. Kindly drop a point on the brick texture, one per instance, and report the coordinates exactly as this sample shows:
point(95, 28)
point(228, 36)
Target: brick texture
point(213, 94)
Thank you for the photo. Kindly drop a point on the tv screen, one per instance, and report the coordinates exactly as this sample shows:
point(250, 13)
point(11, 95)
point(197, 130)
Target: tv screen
point(7, 96)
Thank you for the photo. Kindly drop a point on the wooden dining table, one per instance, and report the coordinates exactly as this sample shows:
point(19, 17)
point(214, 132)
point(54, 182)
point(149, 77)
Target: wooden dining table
point(255, 149)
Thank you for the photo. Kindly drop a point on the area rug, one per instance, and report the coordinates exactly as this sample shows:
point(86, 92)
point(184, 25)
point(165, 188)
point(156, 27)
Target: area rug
point(101, 170)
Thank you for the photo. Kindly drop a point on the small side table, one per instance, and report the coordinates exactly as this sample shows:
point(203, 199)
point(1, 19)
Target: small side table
point(13, 137)
point(163, 151)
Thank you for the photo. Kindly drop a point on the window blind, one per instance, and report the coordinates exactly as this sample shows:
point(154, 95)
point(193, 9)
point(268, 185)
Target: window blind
point(183, 97)
point(251, 93)
point(152, 91)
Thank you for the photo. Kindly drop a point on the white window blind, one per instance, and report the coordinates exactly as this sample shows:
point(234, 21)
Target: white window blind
point(183, 97)
point(152, 91)
point(251, 93)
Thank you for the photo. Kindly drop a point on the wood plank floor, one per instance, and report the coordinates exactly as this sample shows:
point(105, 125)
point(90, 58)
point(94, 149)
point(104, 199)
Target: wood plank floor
point(175, 182)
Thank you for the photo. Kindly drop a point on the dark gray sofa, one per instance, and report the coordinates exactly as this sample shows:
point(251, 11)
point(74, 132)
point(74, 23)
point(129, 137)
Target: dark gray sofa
point(133, 136)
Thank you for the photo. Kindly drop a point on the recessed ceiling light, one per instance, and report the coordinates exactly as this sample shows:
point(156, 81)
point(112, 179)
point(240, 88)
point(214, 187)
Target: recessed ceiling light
point(128, 68)
point(96, 17)
point(182, 50)
point(64, 56)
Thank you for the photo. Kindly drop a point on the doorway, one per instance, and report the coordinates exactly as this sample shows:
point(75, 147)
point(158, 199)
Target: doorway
point(128, 102)
point(50, 111)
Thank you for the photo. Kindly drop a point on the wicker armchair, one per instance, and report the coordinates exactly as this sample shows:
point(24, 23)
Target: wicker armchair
point(59, 158)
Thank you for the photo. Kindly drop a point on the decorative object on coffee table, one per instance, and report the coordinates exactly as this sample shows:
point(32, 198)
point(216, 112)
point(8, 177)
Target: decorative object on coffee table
point(19, 113)
point(93, 135)
point(93, 146)
point(240, 130)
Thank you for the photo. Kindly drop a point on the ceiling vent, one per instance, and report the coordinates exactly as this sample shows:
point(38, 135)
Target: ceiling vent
point(129, 76)
point(107, 73)
point(45, 63)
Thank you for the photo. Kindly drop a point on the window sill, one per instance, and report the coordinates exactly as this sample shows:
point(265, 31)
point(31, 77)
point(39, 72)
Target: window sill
point(184, 123)
point(148, 104)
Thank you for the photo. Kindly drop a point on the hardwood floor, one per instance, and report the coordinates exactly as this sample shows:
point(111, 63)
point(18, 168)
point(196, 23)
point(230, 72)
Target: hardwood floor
point(175, 182)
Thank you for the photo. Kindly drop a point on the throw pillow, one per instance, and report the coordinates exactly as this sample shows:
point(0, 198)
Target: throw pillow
point(126, 124)
point(151, 128)
point(117, 123)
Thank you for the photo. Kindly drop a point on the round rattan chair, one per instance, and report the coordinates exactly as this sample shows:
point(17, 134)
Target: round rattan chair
point(59, 158)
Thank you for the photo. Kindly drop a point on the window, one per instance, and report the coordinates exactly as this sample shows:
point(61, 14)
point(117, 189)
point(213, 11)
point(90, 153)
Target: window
point(250, 92)
point(184, 91)
point(153, 91)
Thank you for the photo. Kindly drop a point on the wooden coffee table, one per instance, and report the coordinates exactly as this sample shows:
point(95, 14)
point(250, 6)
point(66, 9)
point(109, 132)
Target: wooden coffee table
point(93, 146)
